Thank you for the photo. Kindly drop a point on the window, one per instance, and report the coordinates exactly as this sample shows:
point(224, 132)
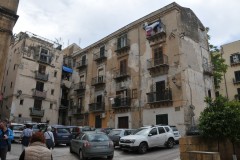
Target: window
point(134, 93)
point(7, 72)
point(51, 106)
point(39, 86)
point(235, 58)
point(209, 93)
point(161, 130)
point(158, 55)
point(11, 85)
point(4, 88)
point(123, 67)
point(237, 76)
point(102, 51)
point(217, 94)
point(122, 41)
point(42, 69)
point(74, 62)
point(37, 104)
point(167, 129)
point(55, 73)
point(21, 102)
point(162, 119)
point(153, 131)
point(20, 115)
point(52, 91)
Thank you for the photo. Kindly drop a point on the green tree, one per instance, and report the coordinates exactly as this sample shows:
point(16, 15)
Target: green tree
point(219, 66)
point(221, 119)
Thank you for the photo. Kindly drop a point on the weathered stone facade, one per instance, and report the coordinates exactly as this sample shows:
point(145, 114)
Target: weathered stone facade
point(8, 18)
point(32, 80)
point(154, 70)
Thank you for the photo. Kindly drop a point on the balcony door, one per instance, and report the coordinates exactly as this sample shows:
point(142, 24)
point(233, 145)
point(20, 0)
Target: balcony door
point(99, 99)
point(123, 122)
point(100, 75)
point(123, 67)
point(237, 76)
point(160, 90)
point(84, 59)
point(40, 86)
point(158, 56)
point(98, 121)
point(102, 50)
point(42, 69)
point(37, 104)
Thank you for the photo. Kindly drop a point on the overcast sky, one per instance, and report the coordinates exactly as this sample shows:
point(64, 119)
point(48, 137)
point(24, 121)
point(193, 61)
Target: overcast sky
point(86, 21)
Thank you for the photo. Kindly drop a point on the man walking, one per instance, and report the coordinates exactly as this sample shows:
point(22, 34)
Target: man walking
point(6, 136)
point(26, 135)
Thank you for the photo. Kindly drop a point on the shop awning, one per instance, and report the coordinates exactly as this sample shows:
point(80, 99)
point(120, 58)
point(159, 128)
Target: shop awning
point(67, 69)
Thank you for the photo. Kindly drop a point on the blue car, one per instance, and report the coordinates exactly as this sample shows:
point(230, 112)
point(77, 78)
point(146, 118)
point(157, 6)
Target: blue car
point(62, 134)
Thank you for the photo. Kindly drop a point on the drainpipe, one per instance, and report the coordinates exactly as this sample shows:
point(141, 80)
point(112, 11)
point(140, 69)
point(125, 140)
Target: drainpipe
point(224, 75)
point(140, 82)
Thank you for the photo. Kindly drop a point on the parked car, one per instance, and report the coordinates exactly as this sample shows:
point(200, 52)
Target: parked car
point(62, 134)
point(176, 134)
point(105, 130)
point(116, 134)
point(148, 137)
point(92, 144)
point(17, 129)
point(75, 130)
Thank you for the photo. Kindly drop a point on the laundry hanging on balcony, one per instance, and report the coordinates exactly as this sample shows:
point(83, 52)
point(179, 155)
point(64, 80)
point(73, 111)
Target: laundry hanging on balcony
point(66, 69)
point(152, 28)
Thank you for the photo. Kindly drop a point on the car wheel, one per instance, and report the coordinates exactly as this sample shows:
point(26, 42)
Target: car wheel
point(142, 148)
point(170, 143)
point(71, 151)
point(110, 157)
point(81, 156)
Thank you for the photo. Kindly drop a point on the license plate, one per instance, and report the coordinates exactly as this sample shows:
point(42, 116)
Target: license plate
point(100, 146)
point(65, 136)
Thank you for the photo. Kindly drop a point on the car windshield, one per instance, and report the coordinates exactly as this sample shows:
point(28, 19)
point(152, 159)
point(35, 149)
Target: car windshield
point(18, 127)
point(115, 132)
point(97, 138)
point(62, 130)
point(141, 131)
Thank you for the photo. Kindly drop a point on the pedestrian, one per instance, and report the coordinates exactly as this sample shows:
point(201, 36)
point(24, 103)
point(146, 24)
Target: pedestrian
point(37, 149)
point(26, 135)
point(49, 138)
point(6, 137)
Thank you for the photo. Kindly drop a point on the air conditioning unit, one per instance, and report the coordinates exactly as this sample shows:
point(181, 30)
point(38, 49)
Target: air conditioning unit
point(103, 115)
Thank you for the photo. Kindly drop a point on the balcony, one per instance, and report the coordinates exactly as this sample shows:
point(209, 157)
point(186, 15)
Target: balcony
point(41, 76)
point(76, 111)
point(160, 98)
point(97, 107)
point(123, 45)
point(236, 81)
point(121, 102)
point(100, 80)
point(79, 87)
point(45, 58)
point(156, 32)
point(36, 112)
point(158, 66)
point(39, 94)
point(100, 56)
point(81, 64)
point(208, 69)
point(120, 75)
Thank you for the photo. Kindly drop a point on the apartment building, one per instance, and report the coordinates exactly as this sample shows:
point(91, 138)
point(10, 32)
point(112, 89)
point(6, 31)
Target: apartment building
point(155, 70)
point(8, 18)
point(66, 84)
point(229, 87)
point(32, 80)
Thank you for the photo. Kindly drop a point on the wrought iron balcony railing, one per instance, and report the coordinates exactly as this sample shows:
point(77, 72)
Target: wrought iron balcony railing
point(97, 107)
point(152, 34)
point(44, 58)
point(39, 94)
point(36, 112)
point(79, 86)
point(98, 80)
point(100, 55)
point(121, 74)
point(236, 81)
point(41, 76)
point(81, 64)
point(157, 62)
point(123, 45)
point(121, 102)
point(160, 96)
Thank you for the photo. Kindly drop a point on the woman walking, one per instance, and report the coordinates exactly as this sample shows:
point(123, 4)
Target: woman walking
point(26, 135)
point(36, 149)
point(49, 138)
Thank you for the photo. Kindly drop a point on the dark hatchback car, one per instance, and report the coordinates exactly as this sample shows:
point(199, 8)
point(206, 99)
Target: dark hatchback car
point(75, 130)
point(62, 134)
point(92, 144)
point(116, 134)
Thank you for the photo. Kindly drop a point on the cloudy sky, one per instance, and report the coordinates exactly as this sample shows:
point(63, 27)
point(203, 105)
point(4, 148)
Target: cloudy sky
point(86, 21)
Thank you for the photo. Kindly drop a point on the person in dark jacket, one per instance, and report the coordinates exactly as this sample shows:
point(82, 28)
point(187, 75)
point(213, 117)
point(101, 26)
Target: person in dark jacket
point(6, 136)
point(37, 149)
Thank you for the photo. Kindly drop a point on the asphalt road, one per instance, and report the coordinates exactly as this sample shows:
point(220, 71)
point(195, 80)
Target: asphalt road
point(62, 153)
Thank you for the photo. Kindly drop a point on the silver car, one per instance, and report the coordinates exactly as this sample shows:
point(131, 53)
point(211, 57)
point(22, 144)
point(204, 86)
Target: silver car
point(92, 144)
